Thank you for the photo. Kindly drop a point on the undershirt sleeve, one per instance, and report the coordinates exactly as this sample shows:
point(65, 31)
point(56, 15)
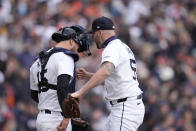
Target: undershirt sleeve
point(34, 95)
point(62, 87)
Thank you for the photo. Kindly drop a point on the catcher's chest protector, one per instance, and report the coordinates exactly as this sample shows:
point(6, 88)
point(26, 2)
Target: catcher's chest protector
point(44, 57)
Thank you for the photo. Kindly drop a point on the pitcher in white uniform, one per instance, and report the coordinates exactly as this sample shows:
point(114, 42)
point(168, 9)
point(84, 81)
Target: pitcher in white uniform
point(118, 73)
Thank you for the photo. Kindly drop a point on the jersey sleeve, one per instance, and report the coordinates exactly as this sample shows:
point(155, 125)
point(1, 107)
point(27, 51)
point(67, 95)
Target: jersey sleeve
point(111, 54)
point(33, 85)
point(64, 64)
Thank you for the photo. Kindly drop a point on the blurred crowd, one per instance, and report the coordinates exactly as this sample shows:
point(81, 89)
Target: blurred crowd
point(161, 33)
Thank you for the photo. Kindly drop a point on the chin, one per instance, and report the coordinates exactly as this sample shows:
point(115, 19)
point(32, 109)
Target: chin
point(98, 46)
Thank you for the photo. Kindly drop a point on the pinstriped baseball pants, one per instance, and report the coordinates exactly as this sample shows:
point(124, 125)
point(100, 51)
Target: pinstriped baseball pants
point(125, 116)
point(49, 122)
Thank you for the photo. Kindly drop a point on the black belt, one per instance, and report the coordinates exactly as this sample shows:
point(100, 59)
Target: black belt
point(49, 112)
point(123, 100)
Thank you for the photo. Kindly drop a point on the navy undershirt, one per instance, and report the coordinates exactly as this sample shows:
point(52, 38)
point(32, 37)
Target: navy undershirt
point(62, 87)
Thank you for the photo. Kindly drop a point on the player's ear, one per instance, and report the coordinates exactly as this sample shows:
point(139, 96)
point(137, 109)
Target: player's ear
point(71, 43)
point(99, 32)
point(101, 35)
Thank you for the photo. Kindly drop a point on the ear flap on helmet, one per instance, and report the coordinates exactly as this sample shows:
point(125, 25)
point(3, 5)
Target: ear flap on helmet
point(82, 38)
point(84, 43)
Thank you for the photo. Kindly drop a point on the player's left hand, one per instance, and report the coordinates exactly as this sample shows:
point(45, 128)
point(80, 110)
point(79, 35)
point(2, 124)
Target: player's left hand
point(82, 74)
point(63, 125)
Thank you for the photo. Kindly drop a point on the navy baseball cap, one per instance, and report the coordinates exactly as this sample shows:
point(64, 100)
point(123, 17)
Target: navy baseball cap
point(102, 23)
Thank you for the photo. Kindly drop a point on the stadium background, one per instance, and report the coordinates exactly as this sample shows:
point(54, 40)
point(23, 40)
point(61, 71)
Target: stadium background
point(161, 33)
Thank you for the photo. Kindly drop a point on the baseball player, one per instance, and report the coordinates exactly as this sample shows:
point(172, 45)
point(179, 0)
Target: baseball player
point(52, 77)
point(118, 73)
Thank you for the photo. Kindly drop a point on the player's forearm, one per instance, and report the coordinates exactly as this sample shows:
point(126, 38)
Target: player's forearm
point(62, 87)
point(96, 79)
point(89, 75)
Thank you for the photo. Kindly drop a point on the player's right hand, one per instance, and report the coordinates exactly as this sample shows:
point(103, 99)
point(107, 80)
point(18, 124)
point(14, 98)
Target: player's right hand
point(63, 125)
point(76, 94)
point(82, 74)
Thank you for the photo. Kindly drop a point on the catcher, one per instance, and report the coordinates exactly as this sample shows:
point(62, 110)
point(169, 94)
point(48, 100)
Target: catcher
point(52, 78)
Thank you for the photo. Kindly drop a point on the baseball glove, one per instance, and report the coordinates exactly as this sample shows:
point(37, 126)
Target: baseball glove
point(70, 107)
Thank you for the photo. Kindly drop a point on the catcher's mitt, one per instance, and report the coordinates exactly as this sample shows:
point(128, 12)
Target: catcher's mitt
point(70, 107)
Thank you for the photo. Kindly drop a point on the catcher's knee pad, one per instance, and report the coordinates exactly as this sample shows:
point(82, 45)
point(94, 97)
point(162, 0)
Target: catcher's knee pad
point(79, 124)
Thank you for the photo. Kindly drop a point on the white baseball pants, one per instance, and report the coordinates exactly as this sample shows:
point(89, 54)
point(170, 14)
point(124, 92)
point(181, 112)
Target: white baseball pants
point(126, 116)
point(49, 122)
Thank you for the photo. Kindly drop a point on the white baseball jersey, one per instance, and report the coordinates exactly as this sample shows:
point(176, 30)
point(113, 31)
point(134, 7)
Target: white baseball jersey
point(123, 81)
point(58, 63)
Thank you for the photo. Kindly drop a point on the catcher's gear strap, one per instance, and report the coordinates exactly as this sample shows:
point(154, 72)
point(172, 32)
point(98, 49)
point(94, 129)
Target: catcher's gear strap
point(44, 57)
point(79, 124)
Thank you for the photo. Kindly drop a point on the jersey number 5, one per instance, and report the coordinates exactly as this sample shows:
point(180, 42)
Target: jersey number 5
point(133, 67)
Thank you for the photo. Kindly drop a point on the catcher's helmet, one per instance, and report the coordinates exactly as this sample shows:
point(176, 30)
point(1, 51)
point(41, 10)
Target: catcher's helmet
point(77, 33)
